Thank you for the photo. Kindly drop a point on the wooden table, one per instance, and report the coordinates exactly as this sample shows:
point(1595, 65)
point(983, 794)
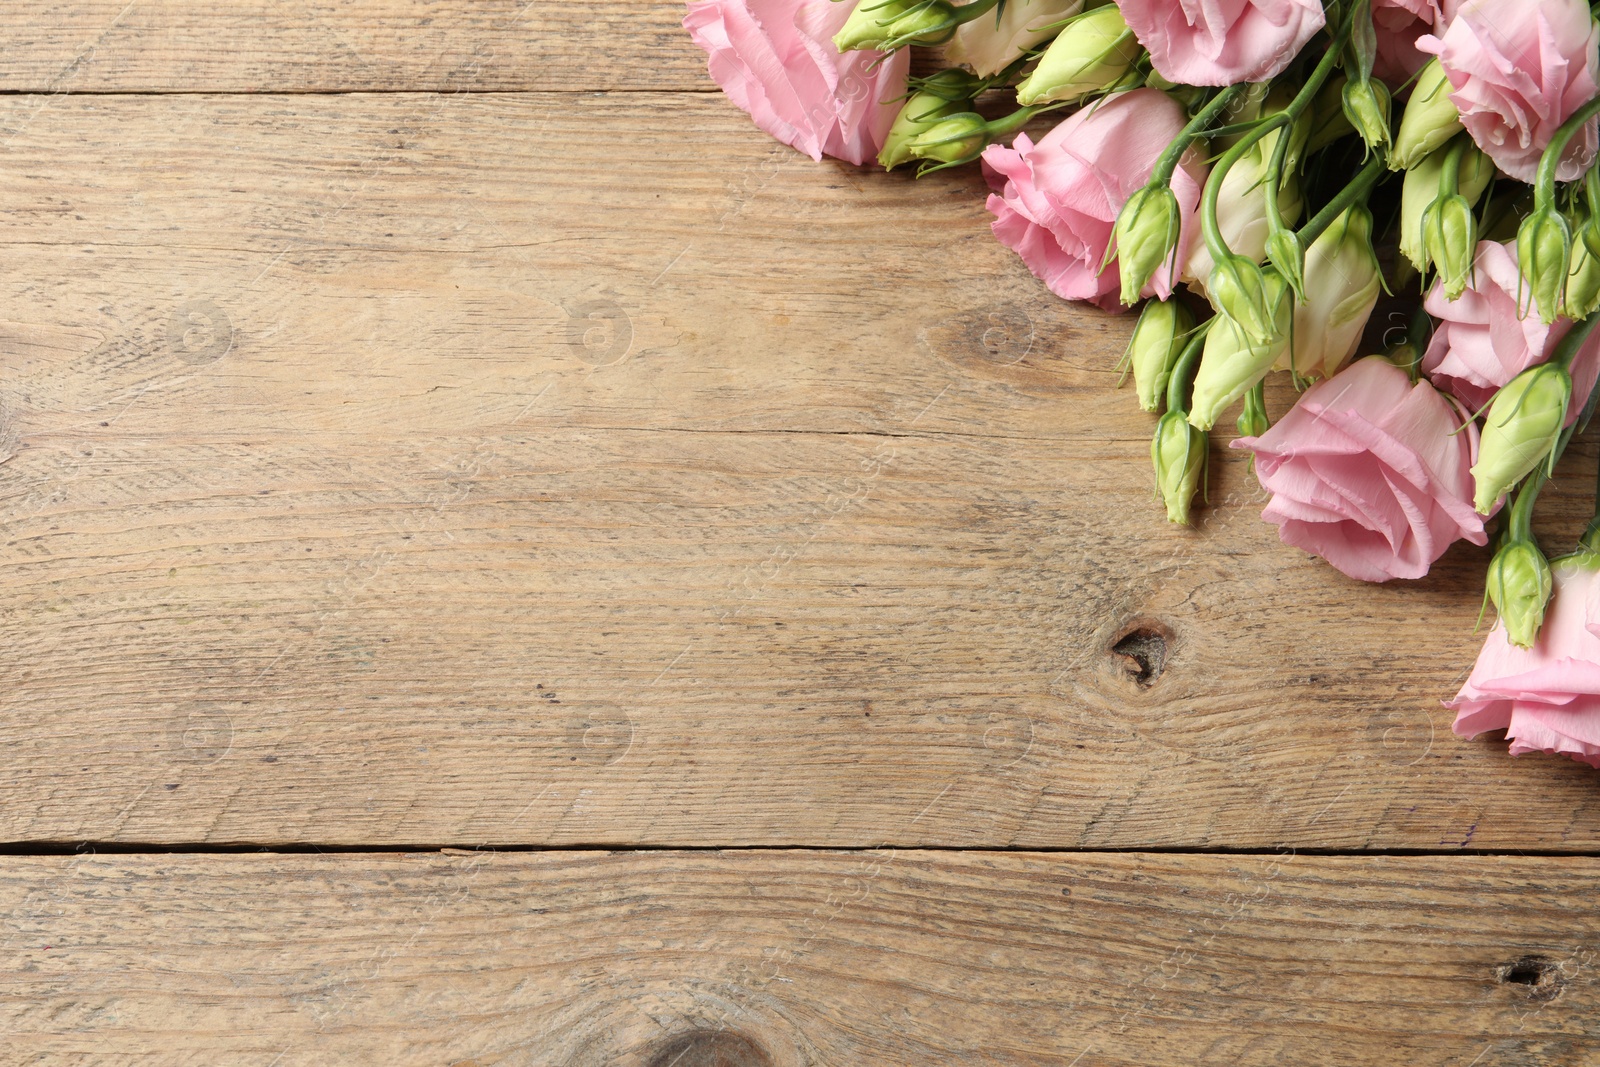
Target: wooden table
point(505, 564)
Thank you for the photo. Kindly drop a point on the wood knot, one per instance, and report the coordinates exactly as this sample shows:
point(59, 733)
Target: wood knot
point(1143, 646)
point(710, 1048)
point(1539, 977)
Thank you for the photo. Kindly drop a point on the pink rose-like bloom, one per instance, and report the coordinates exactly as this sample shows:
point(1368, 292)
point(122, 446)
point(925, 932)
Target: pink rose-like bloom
point(1221, 42)
point(776, 60)
point(1520, 68)
point(1398, 24)
point(1481, 343)
point(1367, 472)
point(1056, 202)
point(1546, 698)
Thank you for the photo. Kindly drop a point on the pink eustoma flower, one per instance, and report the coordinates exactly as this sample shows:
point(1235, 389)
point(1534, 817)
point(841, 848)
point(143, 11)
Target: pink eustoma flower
point(1368, 472)
point(1482, 342)
point(1521, 68)
point(1055, 203)
point(1546, 698)
point(776, 60)
point(1398, 24)
point(1221, 42)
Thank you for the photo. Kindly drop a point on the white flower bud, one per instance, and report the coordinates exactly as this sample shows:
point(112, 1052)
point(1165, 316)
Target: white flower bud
point(988, 45)
point(1342, 283)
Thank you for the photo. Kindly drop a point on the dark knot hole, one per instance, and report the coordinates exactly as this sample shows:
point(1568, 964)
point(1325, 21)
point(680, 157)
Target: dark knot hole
point(1541, 977)
point(1144, 648)
point(711, 1048)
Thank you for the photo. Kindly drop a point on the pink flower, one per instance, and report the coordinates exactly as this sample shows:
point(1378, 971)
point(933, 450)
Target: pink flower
point(1546, 698)
point(1398, 24)
point(1481, 343)
point(1520, 68)
point(1055, 202)
point(1220, 42)
point(776, 60)
point(1366, 472)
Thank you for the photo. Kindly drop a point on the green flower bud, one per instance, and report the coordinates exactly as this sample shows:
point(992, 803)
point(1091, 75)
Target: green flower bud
point(1583, 283)
point(1544, 252)
point(892, 24)
point(1421, 189)
point(1232, 362)
point(1094, 52)
point(1285, 253)
point(951, 83)
point(1179, 454)
point(1524, 421)
point(922, 111)
point(1450, 231)
point(868, 24)
point(1253, 421)
point(1238, 290)
point(1366, 106)
point(1158, 340)
point(1406, 356)
point(1590, 232)
point(1519, 586)
point(1145, 235)
point(1429, 121)
point(960, 138)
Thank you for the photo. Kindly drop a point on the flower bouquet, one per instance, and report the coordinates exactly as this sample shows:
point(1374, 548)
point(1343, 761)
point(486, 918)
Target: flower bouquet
point(1256, 173)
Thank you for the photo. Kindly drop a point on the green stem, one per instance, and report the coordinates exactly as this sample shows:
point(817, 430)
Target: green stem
point(1521, 525)
point(1280, 156)
point(1450, 173)
point(1019, 118)
point(1183, 370)
point(1353, 193)
point(973, 11)
point(1167, 162)
point(1210, 228)
point(1282, 120)
point(1564, 354)
point(1550, 162)
point(1362, 9)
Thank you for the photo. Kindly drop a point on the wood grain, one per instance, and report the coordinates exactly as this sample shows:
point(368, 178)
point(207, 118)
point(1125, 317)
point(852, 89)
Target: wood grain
point(781, 959)
point(161, 46)
point(397, 470)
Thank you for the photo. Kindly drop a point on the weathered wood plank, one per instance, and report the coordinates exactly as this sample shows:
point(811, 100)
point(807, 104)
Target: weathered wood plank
point(347, 45)
point(783, 959)
point(431, 470)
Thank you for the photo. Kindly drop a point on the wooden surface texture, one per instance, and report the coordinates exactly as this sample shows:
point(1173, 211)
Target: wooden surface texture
point(408, 470)
point(782, 959)
point(455, 425)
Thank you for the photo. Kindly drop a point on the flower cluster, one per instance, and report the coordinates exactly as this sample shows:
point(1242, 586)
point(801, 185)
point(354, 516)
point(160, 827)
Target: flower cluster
point(1258, 173)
